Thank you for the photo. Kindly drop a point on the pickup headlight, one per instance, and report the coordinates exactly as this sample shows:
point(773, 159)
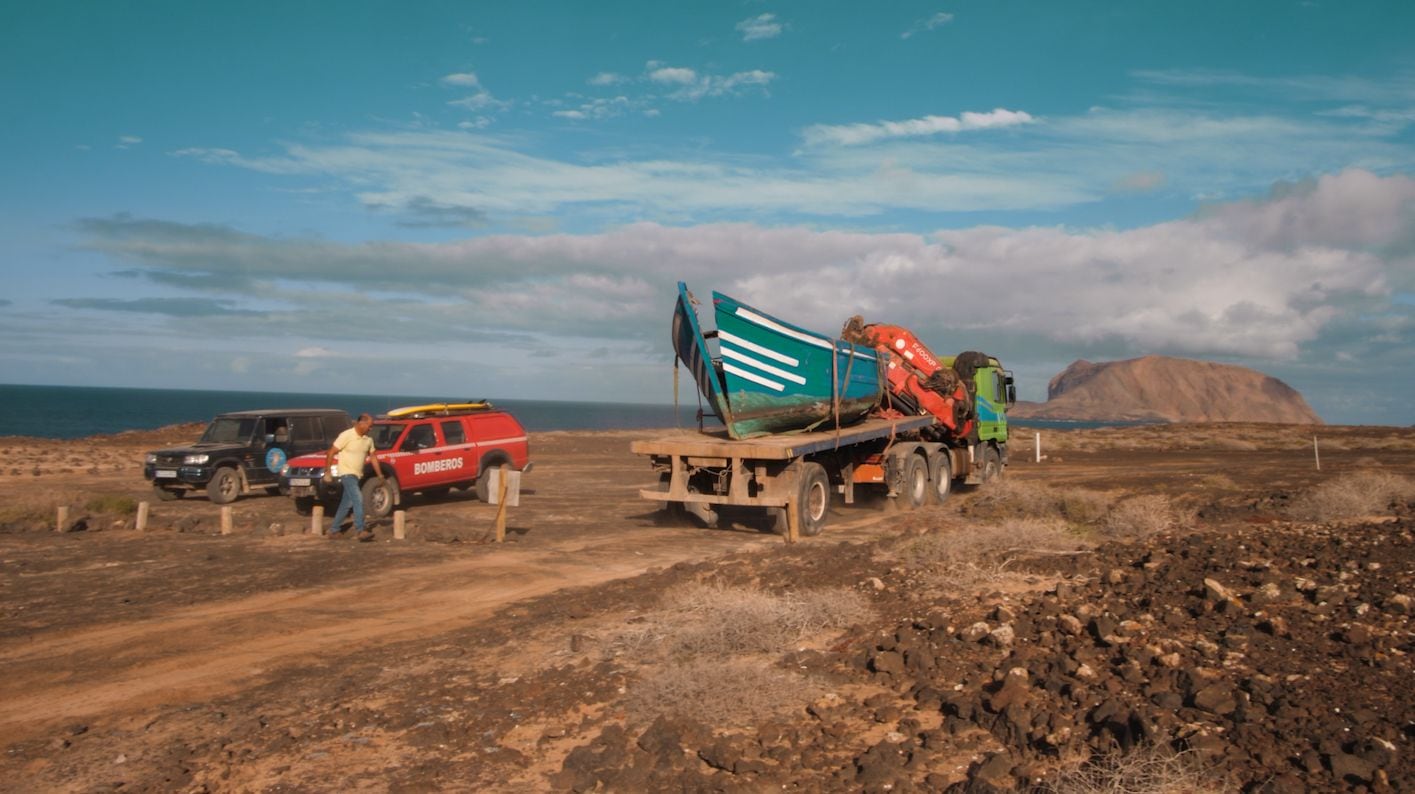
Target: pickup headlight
point(195, 460)
point(151, 457)
point(284, 470)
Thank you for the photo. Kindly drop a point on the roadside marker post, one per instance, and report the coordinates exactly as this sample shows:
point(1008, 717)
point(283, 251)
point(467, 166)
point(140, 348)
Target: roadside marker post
point(505, 492)
point(1316, 453)
point(793, 521)
point(140, 523)
point(317, 520)
point(399, 525)
point(63, 519)
point(226, 520)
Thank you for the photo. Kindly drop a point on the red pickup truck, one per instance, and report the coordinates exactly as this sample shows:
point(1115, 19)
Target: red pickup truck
point(431, 452)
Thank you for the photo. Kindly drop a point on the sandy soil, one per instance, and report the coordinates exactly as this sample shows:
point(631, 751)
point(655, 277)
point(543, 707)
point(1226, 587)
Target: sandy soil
point(271, 659)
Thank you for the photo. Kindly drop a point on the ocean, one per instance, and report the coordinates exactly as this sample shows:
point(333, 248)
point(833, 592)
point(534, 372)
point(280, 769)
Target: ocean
point(81, 411)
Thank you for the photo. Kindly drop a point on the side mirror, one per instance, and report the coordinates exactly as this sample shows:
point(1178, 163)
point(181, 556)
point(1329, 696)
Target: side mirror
point(1011, 394)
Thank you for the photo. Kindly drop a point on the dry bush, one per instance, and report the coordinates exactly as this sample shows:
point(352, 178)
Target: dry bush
point(715, 620)
point(1146, 770)
point(118, 504)
point(731, 693)
point(982, 553)
point(1139, 516)
point(1008, 499)
point(1360, 493)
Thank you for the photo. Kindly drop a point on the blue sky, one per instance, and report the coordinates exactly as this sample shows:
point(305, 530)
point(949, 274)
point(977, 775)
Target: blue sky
point(497, 198)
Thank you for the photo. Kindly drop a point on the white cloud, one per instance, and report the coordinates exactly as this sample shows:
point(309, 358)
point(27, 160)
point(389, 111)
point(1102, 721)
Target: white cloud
point(759, 27)
point(673, 74)
point(317, 351)
point(856, 134)
point(126, 141)
point(607, 78)
point(931, 23)
point(462, 80)
point(1261, 278)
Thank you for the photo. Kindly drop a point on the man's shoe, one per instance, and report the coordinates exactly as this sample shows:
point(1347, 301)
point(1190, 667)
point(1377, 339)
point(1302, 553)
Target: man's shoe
point(334, 534)
point(365, 536)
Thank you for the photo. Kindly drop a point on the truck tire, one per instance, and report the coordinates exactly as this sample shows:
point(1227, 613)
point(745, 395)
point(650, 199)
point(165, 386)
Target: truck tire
point(380, 496)
point(167, 494)
point(916, 483)
point(225, 486)
point(992, 465)
point(941, 479)
point(813, 499)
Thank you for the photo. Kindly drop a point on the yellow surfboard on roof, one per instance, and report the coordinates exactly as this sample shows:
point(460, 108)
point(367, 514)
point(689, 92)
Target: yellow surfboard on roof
point(439, 408)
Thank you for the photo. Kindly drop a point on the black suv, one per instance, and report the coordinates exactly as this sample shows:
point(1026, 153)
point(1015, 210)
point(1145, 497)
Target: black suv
point(243, 450)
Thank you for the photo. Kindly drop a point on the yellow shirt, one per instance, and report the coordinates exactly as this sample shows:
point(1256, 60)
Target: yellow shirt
point(353, 449)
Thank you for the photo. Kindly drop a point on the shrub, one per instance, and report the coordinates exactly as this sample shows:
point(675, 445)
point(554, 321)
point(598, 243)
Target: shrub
point(1360, 493)
point(732, 693)
point(112, 503)
point(1139, 516)
point(1146, 770)
point(982, 553)
point(715, 620)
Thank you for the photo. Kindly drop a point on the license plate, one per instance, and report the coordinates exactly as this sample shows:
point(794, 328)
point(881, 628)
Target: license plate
point(296, 481)
point(166, 473)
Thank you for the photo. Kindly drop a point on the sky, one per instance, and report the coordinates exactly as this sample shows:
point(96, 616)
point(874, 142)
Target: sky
point(480, 199)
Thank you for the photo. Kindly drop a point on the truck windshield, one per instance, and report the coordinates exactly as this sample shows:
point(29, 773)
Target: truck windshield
point(226, 430)
point(384, 436)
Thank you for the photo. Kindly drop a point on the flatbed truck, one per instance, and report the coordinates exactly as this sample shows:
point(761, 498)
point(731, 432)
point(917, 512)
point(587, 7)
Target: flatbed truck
point(795, 475)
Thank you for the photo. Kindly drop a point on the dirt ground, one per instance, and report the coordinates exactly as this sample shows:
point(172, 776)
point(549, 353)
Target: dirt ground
point(1271, 652)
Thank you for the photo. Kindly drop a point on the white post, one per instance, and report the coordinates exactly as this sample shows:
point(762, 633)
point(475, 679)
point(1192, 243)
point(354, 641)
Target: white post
point(399, 528)
point(62, 521)
point(1039, 447)
point(141, 523)
point(226, 520)
point(1316, 453)
point(317, 520)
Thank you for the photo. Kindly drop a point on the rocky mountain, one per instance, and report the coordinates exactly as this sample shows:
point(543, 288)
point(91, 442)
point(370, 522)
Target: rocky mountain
point(1167, 389)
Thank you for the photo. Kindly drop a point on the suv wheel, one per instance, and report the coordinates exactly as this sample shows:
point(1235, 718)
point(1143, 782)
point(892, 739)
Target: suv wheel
point(380, 496)
point(225, 486)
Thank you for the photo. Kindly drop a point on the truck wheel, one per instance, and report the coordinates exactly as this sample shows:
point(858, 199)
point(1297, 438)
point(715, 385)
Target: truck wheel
point(916, 483)
point(167, 494)
point(992, 465)
point(380, 496)
point(225, 486)
point(813, 500)
point(942, 477)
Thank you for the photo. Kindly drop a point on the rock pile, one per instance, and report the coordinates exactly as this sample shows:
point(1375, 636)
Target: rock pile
point(1279, 655)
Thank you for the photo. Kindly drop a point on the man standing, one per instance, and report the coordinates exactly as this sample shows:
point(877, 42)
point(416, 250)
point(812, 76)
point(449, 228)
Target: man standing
point(352, 447)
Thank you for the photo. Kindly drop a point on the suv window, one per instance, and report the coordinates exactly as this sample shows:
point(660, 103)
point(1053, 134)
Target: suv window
point(228, 431)
point(419, 437)
point(452, 432)
point(307, 429)
point(385, 436)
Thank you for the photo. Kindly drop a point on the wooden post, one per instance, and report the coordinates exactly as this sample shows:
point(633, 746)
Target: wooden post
point(226, 520)
point(793, 521)
point(62, 521)
point(317, 520)
point(140, 524)
point(1316, 453)
point(501, 503)
point(399, 516)
point(1039, 447)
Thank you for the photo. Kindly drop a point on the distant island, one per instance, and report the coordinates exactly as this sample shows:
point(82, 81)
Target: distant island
point(1165, 389)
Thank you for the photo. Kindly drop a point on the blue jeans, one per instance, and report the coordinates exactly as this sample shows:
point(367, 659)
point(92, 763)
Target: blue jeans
point(353, 499)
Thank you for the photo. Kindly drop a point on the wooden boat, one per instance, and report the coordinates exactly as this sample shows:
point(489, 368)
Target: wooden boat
point(769, 376)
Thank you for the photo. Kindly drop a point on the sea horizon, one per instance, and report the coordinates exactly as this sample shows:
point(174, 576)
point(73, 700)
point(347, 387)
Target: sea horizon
point(69, 412)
